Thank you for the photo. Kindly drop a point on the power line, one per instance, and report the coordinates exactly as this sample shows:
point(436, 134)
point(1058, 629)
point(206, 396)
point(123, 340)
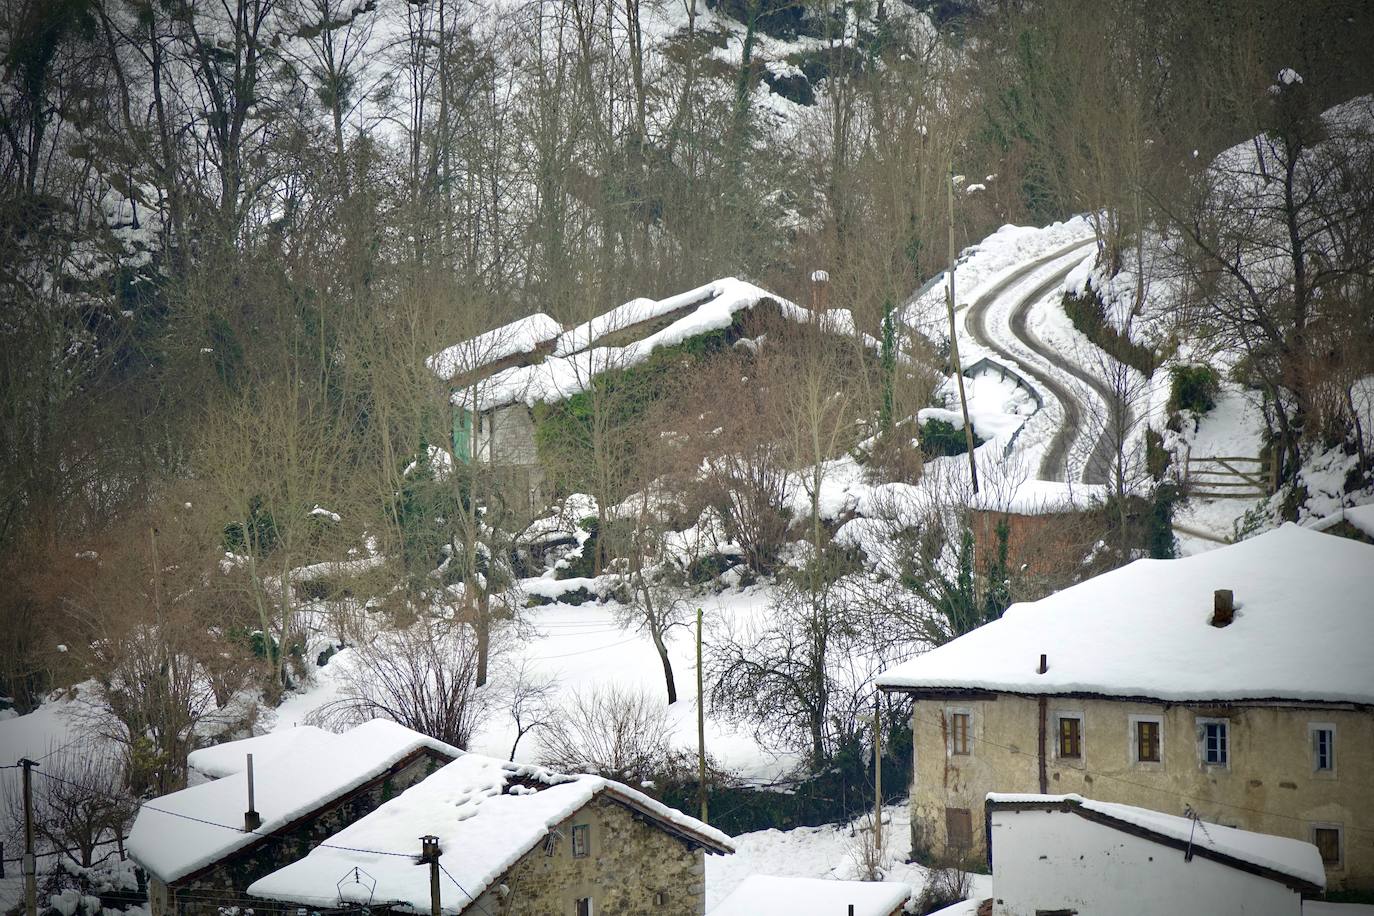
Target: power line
point(461, 888)
point(210, 823)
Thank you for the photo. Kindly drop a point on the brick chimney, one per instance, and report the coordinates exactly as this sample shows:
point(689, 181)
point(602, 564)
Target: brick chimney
point(820, 281)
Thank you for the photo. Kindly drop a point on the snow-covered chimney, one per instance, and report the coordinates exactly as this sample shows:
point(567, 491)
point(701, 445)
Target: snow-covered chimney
point(252, 820)
point(1223, 607)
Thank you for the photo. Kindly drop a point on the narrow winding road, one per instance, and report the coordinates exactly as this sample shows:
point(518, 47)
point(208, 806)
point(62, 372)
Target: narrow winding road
point(1054, 464)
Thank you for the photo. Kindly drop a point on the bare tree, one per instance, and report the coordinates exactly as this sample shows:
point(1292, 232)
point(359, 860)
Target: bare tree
point(423, 677)
point(79, 802)
point(611, 731)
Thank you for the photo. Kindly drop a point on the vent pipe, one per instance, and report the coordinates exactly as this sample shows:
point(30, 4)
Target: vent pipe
point(251, 819)
point(1223, 607)
point(1044, 664)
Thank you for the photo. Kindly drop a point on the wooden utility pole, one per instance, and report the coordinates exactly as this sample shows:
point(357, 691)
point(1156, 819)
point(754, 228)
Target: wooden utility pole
point(30, 863)
point(877, 774)
point(954, 342)
point(701, 730)
point(429, 852)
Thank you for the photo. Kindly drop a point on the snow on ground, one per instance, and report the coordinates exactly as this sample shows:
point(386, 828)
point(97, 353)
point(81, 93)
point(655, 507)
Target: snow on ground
point(1233, 428)
point(819, 852)
point(983, 265)
point(583, 648)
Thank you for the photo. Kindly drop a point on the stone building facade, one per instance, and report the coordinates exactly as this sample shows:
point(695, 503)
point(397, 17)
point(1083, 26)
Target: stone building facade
point(632, 864)
point(1290, 769)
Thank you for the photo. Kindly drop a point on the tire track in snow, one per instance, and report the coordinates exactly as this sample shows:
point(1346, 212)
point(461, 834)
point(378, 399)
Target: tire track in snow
point(1097, 469)
point(1053, 465)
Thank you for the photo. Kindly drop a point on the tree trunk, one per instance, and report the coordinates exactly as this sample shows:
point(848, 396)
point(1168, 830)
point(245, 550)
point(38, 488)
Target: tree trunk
point(662, 649)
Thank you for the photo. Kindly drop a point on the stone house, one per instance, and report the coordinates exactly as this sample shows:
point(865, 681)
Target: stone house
point(203, 846)
point(494, 379)
point(512, 840)
point(1068, 854)
point(1236, 684)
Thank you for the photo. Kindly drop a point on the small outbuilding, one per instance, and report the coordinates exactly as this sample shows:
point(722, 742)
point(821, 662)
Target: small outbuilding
point(1065, 855)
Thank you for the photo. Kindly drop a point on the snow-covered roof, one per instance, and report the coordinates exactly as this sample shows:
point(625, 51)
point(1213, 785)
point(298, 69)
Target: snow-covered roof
point(1293, 858)
point(487, 813)
point(230, 757)
point(766, 895)
point(575, 363)
point(185, 831)
point(523, 335)
point(1303, 626)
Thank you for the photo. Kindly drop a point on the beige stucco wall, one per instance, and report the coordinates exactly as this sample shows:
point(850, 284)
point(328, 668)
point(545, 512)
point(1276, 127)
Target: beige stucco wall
point(1270, 785)
point(629, 861)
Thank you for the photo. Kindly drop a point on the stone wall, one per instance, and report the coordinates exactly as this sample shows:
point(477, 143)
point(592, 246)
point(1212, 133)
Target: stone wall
point(1270, 784)
point(630, 863)
point(225, 884)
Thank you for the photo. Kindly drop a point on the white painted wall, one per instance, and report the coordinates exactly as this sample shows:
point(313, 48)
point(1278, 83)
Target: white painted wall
point(1052, 860)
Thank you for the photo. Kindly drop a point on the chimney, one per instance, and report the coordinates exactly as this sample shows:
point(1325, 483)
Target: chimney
point(1044, 663)
point(251, 819)
point(1223, 607)
point(820, 280)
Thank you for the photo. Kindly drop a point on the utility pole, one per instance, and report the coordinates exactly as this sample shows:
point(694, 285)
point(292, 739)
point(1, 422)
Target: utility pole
point(429, 852)
point(701, 730)
point(877, 774)
point(30, 863)
point(954, 341)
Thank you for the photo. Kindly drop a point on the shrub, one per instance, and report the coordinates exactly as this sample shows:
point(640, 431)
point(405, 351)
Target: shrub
point(1193, 388)
point(944, 886)
point(1089, 316)
point(939, 438)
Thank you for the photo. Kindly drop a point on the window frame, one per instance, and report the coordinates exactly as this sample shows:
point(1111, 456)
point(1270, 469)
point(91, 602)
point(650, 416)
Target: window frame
point(1135, 741)
point(578, 909)
point(1313, 728)
point(584, 832)
point(1059, 717)
point(1339, 830)
point(951, 746)
point(1202, 723)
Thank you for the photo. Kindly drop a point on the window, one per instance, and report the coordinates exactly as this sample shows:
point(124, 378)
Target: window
point(1215, 742)
point(1070, 737)
point(958, 733)
point(551, 844)
point(660, 898)
point(582, 906)
point(1148, 748)
point(581, 840)
point(1327, 839)
point(958, 828)
point(1323, 747)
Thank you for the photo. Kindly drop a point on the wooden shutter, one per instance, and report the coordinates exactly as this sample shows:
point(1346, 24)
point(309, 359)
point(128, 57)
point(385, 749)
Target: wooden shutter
point(958, 828)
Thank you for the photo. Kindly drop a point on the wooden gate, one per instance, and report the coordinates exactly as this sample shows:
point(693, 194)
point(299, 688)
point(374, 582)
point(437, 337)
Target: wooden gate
point(1229, 476)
